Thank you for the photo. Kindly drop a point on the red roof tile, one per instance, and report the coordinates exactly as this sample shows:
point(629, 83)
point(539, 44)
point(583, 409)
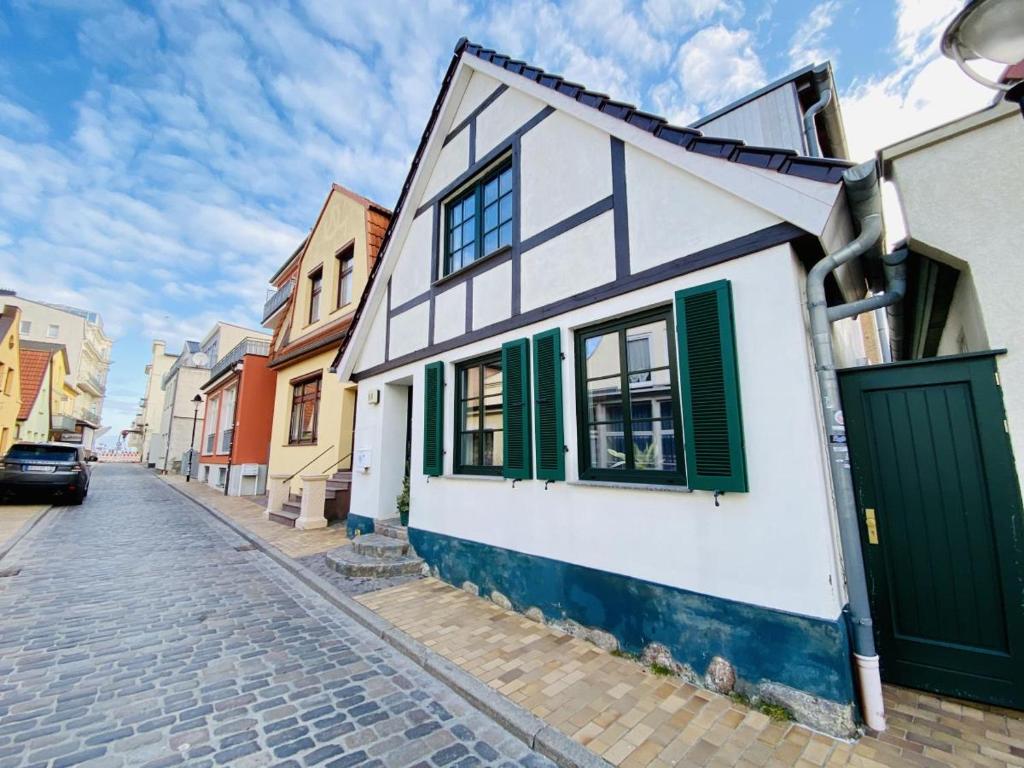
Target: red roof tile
point(33, 364)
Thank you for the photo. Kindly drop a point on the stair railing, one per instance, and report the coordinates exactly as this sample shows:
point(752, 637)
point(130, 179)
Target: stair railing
point(346, 456)
point(308, 463)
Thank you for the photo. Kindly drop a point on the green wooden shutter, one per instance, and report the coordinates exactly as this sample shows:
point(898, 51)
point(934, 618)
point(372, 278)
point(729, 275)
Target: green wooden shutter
point(515, 406)
point(433, 419)
point(547, 404)
point(712, 422)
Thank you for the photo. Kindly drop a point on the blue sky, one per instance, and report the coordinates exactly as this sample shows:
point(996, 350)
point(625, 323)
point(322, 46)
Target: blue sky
point(158, 161)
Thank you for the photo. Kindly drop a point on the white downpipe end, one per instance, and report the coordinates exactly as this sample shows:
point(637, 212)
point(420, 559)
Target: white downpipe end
point(869, 679)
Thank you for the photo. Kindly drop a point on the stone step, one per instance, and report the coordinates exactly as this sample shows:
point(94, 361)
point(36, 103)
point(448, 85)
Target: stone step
point(348, 562)
point(344, 475)
point(292, 507)
point(384, 547)
point(338, 485)
point(285, 517)
point(391, 527)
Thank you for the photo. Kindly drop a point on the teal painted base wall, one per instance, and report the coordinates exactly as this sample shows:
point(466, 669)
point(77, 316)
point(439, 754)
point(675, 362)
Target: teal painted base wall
point(809, 654)
point(358, 523)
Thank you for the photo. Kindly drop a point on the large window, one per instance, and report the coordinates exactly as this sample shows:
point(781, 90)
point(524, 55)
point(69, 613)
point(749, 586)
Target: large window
point(479, 421)
point(227, 420)
point(316, 285)
point(345, 261)
point(479, 221)
point(26, 327)
point(305, 405)
point(210, 425)
point(629, 424)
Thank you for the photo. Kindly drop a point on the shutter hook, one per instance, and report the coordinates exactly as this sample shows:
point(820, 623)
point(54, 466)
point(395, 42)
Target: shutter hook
point(547, 483)
point(514, 481)
point(717, 494)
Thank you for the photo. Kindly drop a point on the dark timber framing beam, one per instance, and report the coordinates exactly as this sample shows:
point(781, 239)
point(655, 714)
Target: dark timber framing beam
point(761, 240)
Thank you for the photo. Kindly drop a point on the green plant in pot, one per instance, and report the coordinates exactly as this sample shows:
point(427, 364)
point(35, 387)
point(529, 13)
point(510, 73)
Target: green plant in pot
point(402, 502)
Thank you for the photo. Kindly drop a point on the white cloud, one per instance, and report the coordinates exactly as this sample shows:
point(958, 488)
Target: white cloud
point(807, 45)
point(675, 16)
point(717, 65)
point(17, 119)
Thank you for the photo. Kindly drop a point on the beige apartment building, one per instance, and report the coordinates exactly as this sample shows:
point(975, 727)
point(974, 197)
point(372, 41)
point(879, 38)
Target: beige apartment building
point(88, 350)
point(147, 420)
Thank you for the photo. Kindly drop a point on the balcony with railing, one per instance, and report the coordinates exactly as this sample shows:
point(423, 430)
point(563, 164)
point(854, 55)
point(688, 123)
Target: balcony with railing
point(90, 415)
point(277, 300)
point(247, 346)
point(92, 384)
point(63, 423)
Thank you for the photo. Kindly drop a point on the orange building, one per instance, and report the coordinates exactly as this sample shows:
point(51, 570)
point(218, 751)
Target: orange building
point(238, 416)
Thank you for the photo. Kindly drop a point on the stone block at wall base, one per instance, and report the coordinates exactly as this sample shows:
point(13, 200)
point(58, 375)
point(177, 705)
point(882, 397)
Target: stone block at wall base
point(799, 662)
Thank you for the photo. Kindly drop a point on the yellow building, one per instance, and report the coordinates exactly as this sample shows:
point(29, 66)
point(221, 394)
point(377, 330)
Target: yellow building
point(316, 293)
point(10, 383)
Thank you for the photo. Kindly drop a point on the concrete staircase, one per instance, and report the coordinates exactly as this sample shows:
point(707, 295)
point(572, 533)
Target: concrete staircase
point(338, 496)
point(384, 553)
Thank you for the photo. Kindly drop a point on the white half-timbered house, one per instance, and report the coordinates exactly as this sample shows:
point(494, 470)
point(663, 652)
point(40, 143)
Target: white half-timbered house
point(586, 343)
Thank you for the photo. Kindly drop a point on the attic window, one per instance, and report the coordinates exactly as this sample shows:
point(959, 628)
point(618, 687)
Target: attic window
point(479, 221)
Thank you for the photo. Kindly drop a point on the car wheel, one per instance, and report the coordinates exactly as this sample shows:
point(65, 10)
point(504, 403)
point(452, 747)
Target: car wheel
point(76, 497)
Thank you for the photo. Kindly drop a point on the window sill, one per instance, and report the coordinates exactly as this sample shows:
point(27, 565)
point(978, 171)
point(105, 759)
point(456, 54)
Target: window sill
point(473, 265)
point(632, 486)
point(485, 478)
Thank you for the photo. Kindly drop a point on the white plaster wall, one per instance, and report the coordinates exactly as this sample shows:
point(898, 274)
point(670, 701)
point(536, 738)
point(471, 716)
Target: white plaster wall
point(480, 86)
point(673, 213)
point(582, 258)
point(772, 546)
point(961, 197)
point(409, 330)
point(566, 166)
point(373, 351)
point(452, 160)
point(450, 313)
point(964, 322)
point(505, 115)
point(492, 296)
point(412, 271)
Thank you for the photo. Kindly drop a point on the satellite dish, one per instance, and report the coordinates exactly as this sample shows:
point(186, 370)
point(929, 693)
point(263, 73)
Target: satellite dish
point(200, 359)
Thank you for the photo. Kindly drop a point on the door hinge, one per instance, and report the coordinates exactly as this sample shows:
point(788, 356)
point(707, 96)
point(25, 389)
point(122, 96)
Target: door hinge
point(998, 382)
point(1006, 427)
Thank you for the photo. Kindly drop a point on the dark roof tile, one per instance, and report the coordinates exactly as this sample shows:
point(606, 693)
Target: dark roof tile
point(818, 169)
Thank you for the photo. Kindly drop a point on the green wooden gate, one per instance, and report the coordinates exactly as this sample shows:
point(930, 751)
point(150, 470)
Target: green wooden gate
point(941, 524)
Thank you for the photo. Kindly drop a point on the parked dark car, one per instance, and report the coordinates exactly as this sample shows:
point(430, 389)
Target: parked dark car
point(56, 470)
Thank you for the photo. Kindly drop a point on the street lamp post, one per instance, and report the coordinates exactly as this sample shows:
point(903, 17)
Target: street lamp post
point(192, 444)
point(992, 30)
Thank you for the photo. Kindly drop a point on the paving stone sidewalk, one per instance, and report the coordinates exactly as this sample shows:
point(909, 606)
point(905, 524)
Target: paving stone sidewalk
point(634, 718)
point(141, 632)
point(249, 514)
point(13, 517)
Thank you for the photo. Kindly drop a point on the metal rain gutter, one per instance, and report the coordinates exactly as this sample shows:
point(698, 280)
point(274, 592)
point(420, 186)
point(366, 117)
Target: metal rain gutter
point(861, 184)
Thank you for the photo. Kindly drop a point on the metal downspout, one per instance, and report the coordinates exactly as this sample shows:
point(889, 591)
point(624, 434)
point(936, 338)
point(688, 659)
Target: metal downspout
point(861, 185)
point(810, 131)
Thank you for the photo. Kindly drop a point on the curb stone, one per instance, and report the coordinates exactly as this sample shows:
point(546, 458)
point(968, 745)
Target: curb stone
point(519, 722)
point(22, 532)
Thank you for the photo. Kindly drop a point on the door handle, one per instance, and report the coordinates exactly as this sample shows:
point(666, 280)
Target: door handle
point(871, 524)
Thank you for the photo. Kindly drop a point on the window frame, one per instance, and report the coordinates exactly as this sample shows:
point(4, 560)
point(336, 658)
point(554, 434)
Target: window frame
point(316, 289)
point(299, 398)
point(346, 269)
point(492, 359)
point(24, 327)
point(628, 475)
point(476, 190)
point(53, 331)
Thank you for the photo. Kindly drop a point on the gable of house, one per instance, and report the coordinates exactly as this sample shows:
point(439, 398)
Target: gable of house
point(602, 199)
point(330, 271)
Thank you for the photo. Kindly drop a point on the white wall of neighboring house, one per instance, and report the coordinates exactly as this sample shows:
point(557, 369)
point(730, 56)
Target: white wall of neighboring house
point(152, 412)
point(974, 161)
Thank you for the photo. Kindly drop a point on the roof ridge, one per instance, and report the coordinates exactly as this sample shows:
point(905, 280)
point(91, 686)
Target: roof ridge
point(823, 169)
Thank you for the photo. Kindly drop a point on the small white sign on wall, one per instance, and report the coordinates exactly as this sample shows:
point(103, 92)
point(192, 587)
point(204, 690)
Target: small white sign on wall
point(362, 460)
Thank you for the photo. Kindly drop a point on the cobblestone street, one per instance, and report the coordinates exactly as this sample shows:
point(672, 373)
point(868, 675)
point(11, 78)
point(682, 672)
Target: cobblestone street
point(139, 631)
